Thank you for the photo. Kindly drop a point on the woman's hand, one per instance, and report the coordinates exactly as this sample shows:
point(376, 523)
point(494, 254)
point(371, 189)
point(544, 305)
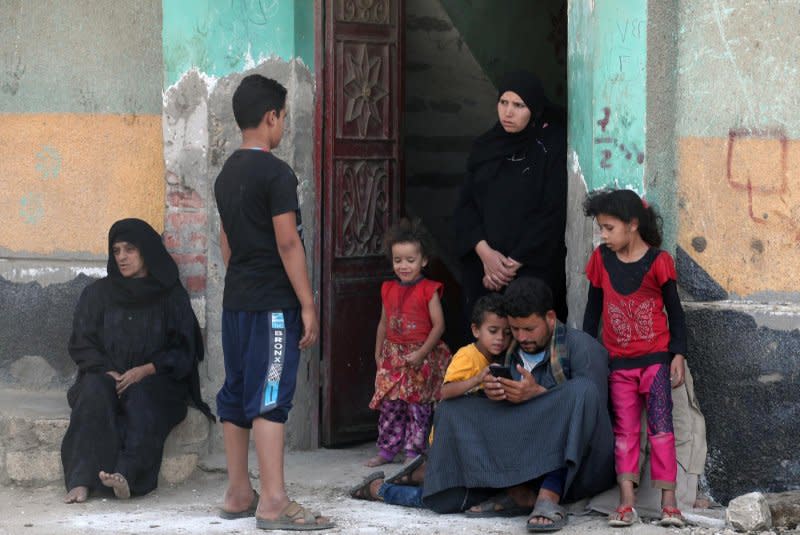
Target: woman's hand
point(513, 265)
point(498, 268)
point(132, 376)
point(489, 285)
point(677, 370)
point(114, 375)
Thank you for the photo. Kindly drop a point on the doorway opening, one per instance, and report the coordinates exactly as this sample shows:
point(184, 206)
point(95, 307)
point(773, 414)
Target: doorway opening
point(456, 51)
point(407, 86)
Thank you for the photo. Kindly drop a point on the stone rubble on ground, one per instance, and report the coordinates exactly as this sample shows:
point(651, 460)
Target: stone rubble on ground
point(785, 509)
point(749, 512)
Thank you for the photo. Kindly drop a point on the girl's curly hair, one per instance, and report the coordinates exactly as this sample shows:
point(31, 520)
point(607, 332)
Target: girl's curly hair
point(408, 231)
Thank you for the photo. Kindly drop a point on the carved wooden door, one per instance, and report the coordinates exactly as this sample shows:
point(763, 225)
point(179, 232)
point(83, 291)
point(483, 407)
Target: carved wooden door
point(361, 195)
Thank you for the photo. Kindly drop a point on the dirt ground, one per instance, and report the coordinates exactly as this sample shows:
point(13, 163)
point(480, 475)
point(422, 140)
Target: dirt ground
point(318, 478)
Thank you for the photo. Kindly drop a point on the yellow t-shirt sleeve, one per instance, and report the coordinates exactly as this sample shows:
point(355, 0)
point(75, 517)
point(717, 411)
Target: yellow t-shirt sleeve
point(467, 362)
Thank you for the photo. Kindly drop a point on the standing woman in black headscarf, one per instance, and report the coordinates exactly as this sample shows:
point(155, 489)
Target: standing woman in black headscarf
point(136, 342)
point(511, 215)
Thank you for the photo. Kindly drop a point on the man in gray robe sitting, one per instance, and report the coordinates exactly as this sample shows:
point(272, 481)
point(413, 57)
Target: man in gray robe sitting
point(544, 436)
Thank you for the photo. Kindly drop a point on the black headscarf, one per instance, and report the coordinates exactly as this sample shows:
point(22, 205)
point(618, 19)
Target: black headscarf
point(162, 272)
point(161, 279)
point(495, 144)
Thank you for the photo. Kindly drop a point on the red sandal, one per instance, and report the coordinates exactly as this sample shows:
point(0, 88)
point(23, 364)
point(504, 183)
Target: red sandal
point(617, 518)
point(671, 517)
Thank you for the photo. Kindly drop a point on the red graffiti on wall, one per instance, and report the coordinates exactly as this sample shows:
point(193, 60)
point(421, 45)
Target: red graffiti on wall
point(764, 184)
point(607, 153)
point(603, 122)
point(745, 183)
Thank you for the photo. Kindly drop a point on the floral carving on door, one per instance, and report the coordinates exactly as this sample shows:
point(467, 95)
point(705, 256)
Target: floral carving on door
point(364, 88)
point(365, 11)
point(363, 204)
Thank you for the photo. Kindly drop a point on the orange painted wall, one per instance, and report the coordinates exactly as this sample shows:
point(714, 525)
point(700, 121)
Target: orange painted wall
point(67, 177)
point(739, 201)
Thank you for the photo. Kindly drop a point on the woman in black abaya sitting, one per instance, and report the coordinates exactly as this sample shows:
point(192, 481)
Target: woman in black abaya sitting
point(136, 342)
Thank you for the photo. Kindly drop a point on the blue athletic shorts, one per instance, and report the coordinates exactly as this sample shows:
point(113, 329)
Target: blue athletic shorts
point(261, 359)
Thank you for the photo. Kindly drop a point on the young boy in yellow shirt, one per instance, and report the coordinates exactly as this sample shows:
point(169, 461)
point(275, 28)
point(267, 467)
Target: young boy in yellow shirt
point(471, 363)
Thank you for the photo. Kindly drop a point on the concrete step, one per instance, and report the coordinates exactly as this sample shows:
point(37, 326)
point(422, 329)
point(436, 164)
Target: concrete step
point(32, 425)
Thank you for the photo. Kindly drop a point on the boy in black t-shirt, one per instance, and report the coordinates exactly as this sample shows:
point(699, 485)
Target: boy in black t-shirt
point(268, 308)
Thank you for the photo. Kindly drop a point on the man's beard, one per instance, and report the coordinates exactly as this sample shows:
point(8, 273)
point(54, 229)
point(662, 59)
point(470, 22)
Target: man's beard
point(532, 349)
point(536, 347)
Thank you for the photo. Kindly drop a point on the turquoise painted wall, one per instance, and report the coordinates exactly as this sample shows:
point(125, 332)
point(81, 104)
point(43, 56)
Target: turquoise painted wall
point(580, 76)
point(607, 83)
point(220, 37)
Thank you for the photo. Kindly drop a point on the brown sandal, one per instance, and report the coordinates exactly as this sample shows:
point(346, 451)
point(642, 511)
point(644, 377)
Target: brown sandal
point(361, 491)
point(290, 518)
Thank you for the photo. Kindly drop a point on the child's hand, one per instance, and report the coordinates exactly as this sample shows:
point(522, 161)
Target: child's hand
point(414, 358)
point(481, 375)
point(677, 370)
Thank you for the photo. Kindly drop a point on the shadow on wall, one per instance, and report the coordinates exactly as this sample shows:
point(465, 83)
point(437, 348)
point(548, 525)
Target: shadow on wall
point(746, 379)
point(35, 327)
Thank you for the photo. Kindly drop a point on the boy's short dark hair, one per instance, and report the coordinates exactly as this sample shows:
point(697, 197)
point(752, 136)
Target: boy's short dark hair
point(490, 303)
point(527, 296)
point(255, 96)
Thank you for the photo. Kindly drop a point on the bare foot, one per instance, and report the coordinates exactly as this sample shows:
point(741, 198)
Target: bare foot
point(376, 461)
point(77, 495)
point(117, 483)
point(239, 500)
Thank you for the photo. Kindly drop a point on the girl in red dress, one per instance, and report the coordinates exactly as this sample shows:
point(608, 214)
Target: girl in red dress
point(632, 282)
point(409, 354)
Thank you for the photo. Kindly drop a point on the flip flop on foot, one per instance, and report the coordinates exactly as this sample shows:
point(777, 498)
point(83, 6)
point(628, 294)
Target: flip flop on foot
point(623, 516)
point(552, 517)
point(501, 505)
point(233, 515)
point(117, 483)
point(77, 495)
point(671, 517)
point(295, 517)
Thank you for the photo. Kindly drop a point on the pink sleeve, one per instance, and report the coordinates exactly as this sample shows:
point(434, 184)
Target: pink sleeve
point(594, 269)
point(664, 269)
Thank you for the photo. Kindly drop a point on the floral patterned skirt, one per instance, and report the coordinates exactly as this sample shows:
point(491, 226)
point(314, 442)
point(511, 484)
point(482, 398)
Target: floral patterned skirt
point(396, 379)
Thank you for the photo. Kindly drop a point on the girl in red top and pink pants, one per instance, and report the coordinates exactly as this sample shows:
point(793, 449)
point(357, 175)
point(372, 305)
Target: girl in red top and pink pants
point(632, 282)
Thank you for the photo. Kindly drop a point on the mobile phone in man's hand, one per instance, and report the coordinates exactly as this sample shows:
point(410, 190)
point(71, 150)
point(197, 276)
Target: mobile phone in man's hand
point(500, 371)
